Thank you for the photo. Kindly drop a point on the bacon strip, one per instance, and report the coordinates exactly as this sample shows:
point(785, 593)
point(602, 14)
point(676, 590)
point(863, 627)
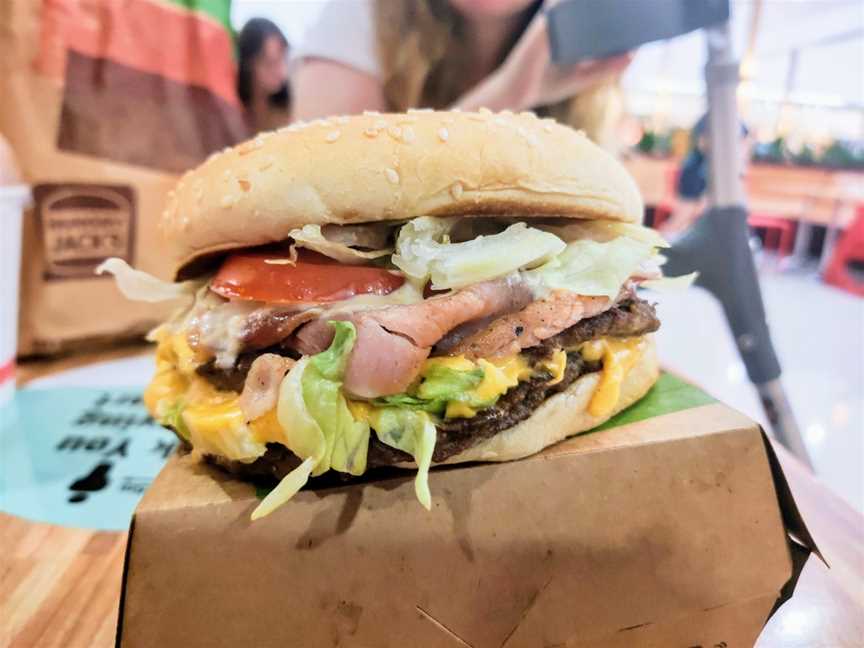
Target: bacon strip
point(539, 320)
point(261, 389)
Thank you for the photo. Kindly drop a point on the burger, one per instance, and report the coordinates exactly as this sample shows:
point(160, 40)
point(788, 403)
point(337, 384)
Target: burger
point(399, 290)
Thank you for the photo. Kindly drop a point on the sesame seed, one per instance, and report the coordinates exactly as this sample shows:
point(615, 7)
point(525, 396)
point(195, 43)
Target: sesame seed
point(371, 132)
point(408, 135)
point(477, 117)
point(412, 111)
point(456, 190)
point(371, 113)
point(443, 134)
point(278, 262)
point(344, 119)
point(227, 201)
point(332, 136)
point(392, 176)
point(527, 114)
point(485, 111)
point(547, 128)
point(499, 122)
point(395, 132)
point(456, 110)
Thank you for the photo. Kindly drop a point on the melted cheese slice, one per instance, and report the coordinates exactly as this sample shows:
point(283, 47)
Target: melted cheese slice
point(216, 424)
point(618, 356)
point(499, 375)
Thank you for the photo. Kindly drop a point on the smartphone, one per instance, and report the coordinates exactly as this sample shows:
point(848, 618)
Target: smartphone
point(591, 29)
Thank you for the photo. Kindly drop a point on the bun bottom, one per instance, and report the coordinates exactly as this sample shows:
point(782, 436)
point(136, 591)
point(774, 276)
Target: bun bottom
point(563, 415)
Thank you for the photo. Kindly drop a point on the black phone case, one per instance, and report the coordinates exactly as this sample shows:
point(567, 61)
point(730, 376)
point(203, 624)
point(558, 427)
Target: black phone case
point(590, 29)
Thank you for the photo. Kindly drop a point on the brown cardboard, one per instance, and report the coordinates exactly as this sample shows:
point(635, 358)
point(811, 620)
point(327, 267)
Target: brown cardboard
point(664, 532)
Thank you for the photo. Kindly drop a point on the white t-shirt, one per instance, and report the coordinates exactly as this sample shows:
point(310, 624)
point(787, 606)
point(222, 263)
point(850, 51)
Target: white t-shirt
point(344, 32)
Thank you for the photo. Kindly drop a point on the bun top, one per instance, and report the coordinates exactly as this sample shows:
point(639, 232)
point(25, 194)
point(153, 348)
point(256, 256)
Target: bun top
point(378, 167)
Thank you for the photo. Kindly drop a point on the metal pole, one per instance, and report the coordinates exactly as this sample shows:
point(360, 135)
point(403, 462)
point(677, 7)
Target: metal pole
point(726, 190)
point(718, 244)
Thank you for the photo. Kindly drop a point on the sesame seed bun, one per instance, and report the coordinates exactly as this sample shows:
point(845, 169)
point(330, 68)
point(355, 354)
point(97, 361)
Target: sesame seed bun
point(379, 167)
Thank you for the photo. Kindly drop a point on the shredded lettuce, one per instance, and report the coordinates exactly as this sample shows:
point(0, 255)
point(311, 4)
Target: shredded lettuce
point(347, 439)
point(137, 285)
point(604, 231)
point(411, 402)
point(444, 383)
point(319, 427)
point(311, 237)
point(422, 252)
point(419, 240)
point(670, 284)
point(439, 385)
point(173, 418)
point(591, 268)
point(412, 432)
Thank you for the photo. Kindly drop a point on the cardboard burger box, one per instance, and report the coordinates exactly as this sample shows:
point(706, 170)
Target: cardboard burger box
point(671, 525)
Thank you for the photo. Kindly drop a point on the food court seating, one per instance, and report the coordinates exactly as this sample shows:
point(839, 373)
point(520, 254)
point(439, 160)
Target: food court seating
point(850, 247)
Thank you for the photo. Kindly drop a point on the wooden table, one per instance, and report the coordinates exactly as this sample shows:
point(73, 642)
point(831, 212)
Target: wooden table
point(60, 587)
point(805, 194)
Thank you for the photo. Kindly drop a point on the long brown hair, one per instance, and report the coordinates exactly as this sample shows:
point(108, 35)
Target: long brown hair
point(421, 50)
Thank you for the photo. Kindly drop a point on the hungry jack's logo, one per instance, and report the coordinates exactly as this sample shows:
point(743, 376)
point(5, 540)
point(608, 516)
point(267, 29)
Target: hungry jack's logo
point(82, 225)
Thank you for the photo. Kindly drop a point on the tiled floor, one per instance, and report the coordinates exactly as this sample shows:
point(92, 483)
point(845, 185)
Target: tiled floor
point(819, 335)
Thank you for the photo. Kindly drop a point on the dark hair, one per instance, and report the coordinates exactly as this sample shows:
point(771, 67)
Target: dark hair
point(250, 42)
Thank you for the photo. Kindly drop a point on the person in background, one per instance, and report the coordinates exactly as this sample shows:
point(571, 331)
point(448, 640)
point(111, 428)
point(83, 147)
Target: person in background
point(262, 79)
point(692, 180)
point(391, 55)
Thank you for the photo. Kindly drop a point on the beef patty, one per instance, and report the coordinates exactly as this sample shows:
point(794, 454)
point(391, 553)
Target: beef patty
point(630, 318)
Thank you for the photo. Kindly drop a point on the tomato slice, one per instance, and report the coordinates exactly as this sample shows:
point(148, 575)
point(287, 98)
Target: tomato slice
point(270, 277)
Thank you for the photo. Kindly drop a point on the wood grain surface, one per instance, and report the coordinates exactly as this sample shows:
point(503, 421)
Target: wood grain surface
point(808, 194)
point(60, 587)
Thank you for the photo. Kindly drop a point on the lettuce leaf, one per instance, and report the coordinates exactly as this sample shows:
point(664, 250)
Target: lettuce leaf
point(422, 251)
point(412, 432)
point(347, 440)
point(444, 383)
point(311, 237)
point(670, 284)
point(173, 418)
point(418, 242)
point(137, 285)
point(319, 428)
point(411, 402)
point(440, 384)
point(591, 268)
point(604, 231)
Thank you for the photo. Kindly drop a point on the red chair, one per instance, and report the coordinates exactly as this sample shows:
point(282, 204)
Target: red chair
point(850, 247)
point(779, 232)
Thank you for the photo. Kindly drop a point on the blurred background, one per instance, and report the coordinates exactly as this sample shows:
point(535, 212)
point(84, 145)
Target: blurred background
point(100, 120)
